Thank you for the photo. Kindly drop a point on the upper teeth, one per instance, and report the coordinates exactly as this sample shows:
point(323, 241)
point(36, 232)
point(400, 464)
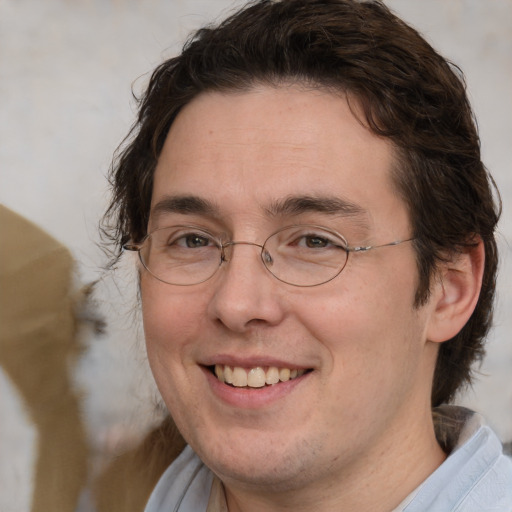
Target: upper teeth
point(254, 377)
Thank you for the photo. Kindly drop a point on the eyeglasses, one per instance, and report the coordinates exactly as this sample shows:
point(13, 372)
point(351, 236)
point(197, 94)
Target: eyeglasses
point(299, 255)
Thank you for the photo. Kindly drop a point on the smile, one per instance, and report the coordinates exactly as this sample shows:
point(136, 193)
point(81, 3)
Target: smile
point(256, 377)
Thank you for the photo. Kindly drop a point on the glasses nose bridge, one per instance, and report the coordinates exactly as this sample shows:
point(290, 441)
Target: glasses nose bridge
point(236, 242)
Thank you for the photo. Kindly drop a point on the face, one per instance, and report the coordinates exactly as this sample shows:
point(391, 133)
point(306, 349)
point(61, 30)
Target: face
point(356, 342)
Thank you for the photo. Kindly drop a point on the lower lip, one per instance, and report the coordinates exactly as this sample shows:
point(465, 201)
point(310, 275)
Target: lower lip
point(252, 398)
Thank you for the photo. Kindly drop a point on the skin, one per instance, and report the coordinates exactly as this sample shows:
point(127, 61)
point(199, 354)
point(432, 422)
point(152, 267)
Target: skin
point(355, 432)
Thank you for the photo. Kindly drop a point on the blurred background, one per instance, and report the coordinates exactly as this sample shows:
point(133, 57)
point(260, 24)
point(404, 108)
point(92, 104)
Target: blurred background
point(67, 69)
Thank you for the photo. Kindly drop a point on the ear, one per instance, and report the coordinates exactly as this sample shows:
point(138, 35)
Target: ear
point(455, 292)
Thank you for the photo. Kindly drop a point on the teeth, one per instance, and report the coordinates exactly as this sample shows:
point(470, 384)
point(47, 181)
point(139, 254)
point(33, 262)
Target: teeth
point(272, 376)
point(255, 377)
point(284, 374)
point(239, 377)
point(228, 374)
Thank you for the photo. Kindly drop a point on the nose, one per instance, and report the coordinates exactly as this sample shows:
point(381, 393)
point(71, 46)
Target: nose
point(246, 294)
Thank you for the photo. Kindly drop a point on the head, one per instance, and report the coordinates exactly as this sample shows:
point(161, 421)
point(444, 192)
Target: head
point(401, 90)
point(331, 113)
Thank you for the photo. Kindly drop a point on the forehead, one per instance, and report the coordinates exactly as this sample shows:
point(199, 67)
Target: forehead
point(259, 147)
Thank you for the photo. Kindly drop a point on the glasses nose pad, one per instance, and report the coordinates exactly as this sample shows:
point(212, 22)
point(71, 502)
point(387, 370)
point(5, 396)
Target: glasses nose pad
point(267, 258)
point(223, 257)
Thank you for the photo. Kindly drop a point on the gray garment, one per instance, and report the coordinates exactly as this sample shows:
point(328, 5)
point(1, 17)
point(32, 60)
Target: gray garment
point(476, 477)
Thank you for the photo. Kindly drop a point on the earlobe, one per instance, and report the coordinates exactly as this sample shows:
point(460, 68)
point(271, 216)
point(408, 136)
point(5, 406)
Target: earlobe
point(456, 292)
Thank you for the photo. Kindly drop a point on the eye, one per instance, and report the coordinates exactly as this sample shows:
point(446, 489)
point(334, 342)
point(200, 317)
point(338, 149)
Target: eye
point(309, 240)
point(192, 240)
point(315, 242)
point(181, 238)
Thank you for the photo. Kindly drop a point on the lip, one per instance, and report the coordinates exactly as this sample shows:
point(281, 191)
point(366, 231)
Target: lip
point(252, 362)
point(253, 398)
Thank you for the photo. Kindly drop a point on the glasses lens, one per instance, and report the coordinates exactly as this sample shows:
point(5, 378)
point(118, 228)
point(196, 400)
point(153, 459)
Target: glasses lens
point(305, 255)
point(181, 255)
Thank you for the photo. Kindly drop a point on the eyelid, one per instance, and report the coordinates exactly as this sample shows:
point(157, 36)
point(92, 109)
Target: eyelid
point(311, 232)
point(187, 228)
point(220, 238)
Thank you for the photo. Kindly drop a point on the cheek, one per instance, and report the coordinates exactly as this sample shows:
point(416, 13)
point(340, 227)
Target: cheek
point(171, 321)
point(368, 327)
point(373, 352)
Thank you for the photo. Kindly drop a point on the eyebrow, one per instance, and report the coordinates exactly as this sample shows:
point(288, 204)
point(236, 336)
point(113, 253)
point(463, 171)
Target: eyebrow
point(287, 207)
point(184, 205)
point(331, 205)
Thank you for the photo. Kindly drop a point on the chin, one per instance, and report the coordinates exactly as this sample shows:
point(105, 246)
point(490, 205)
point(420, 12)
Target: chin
point(257, 459)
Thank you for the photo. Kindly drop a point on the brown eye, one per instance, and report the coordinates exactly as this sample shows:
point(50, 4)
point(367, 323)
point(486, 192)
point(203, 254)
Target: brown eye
point(316, 242)
point(193, 240)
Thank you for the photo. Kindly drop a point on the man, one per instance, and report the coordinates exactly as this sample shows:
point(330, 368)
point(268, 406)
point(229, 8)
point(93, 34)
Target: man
point(315, 230)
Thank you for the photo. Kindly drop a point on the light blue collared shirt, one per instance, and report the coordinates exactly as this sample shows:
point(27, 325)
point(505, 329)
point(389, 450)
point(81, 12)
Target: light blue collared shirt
point(475, 477)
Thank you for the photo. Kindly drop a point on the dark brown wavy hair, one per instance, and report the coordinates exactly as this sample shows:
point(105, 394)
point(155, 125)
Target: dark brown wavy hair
point(408, 94)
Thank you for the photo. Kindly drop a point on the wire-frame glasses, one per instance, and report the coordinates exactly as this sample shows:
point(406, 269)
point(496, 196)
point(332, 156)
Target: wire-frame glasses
point(299, 255)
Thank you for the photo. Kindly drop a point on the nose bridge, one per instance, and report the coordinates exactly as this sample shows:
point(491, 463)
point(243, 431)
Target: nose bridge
point(231, 244)
point(227, 249)
point(243, 295)
point(244, 267)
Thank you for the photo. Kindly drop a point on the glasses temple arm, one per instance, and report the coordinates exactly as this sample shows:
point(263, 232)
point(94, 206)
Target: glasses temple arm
point(364, 248)
point(131, 246)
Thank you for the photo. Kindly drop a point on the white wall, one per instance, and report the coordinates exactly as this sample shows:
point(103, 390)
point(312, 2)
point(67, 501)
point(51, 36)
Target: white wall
point(66, 68)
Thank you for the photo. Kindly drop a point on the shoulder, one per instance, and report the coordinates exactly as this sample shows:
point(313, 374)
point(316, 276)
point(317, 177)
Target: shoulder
point(475, 477)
